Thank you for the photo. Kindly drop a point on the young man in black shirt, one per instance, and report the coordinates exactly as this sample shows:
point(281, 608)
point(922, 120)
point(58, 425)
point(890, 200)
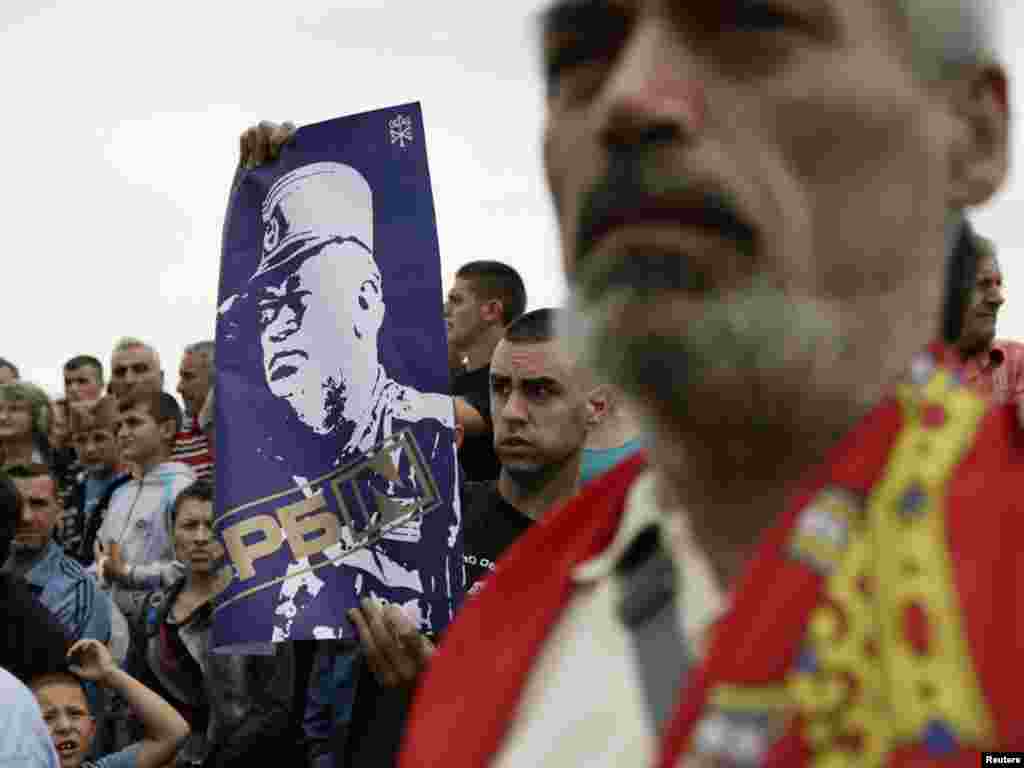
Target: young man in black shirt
point(542, 411)
point(486, 296)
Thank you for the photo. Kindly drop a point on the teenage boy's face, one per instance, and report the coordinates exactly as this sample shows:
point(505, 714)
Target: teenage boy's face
point(66, 714)
point(140, 438)
point(97, 448)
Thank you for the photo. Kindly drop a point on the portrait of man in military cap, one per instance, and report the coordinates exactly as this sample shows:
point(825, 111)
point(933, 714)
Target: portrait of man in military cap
point(338, 432)
point(320, 304)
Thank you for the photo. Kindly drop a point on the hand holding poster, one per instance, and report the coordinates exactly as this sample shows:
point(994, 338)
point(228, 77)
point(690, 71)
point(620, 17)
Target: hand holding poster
point(336, 466)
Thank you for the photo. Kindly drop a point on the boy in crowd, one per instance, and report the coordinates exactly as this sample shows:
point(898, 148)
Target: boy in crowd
point(133, 548)
point(92, 434)
point(72, 726)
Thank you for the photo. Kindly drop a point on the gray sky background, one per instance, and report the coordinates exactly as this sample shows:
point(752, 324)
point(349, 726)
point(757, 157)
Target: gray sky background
point(123, 122)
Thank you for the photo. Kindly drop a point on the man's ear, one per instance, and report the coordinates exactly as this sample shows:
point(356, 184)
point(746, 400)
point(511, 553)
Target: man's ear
point(168, 429)
point(492, 312)
point(598, 406)
point(980, 152)
point(370, 308)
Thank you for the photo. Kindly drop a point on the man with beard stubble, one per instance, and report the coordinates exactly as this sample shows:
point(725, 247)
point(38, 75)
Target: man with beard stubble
point(757, 204)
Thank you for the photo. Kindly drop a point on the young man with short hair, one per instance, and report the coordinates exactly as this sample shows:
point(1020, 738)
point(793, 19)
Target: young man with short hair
point(133, 548)
point(486, 297)
point(543, 408)
point(57, 581)
point(195, 383)
point(83, 378)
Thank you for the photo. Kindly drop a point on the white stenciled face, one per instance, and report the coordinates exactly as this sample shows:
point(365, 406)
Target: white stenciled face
point(318, 333)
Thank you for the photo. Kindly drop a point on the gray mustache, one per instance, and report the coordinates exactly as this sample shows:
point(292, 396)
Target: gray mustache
point(642, 273)
point(634, 183)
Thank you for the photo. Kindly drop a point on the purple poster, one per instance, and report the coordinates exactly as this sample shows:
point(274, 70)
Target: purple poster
point(336, 468)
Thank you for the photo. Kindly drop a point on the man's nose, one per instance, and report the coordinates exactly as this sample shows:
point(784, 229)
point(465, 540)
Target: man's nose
point(515, 408)
point(655, 93)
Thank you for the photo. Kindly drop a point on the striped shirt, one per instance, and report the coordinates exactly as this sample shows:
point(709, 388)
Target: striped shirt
point(192, 447)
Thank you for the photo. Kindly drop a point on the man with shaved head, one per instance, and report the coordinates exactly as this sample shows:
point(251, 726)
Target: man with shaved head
point(134, 369)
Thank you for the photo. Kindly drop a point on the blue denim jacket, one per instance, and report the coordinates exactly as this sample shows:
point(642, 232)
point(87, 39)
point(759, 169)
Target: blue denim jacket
point(63, 586)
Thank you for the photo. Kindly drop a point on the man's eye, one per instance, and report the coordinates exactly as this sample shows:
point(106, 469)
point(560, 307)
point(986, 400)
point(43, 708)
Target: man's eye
point(267, 313)
point(562, 59)
point(757, 16)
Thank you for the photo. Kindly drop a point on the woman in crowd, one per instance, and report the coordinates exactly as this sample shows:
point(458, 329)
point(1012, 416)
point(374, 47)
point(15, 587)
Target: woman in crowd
point(24, 424)
point(238, 706)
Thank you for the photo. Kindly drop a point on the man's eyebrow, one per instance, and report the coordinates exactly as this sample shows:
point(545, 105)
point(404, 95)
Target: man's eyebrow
point(565, 16)
point(543, 381)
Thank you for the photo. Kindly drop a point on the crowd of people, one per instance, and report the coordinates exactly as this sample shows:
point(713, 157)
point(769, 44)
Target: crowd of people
point(773, 440)
point(113, 542)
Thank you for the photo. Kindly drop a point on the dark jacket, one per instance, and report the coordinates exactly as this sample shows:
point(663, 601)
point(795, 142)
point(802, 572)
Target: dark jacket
point(90, 528)
point(238, 706)
point(32, 641)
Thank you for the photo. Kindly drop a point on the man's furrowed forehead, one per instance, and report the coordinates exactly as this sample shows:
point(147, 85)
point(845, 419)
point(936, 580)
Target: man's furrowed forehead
point(824, 20)
point(531, 360)
point(133, 356)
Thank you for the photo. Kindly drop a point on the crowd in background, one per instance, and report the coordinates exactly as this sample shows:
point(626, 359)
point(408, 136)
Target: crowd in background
point(114, 531)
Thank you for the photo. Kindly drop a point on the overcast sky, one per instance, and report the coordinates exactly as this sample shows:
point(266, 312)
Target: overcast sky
point(122, 125)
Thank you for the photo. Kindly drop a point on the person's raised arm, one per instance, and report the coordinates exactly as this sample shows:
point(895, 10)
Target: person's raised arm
point(164, 729)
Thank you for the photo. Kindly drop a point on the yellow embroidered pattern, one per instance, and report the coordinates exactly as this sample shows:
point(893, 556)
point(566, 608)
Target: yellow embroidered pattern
point(886, 662)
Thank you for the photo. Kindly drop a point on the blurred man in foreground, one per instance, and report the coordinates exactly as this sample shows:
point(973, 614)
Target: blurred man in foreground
point(755, 201)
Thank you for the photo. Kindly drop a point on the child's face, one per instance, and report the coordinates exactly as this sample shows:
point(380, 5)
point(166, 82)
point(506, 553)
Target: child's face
point(140, 438)
point(66, 714)
point(97, 448)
